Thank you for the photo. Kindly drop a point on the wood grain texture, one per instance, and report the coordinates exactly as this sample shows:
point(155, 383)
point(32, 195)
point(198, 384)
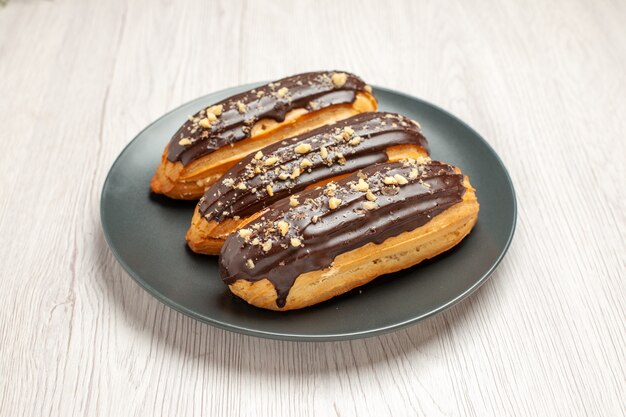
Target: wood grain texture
point(543, 81)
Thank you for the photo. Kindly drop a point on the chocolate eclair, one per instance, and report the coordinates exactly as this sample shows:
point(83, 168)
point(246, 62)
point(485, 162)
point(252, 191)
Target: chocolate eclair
point(218, 136)
point(292, 165)
point(336, 237)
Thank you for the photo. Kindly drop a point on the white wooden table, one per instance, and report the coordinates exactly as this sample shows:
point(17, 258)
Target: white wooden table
point(543, 81)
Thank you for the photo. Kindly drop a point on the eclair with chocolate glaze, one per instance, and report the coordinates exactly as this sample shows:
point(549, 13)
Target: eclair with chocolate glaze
point(342, 235)
point(218, 136)
point(292, 165)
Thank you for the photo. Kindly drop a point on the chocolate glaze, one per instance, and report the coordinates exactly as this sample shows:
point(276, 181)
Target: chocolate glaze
point(370, 135)
point(312, 91)
point(324, 233)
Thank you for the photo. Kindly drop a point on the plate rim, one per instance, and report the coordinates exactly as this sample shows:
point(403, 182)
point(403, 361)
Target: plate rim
point(293, 337)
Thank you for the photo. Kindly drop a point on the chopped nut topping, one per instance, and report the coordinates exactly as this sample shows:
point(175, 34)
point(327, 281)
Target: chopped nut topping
point(339, 79)
point(184, 142)
point(256, 241)
point(390, 181)
point(324, 152)
point(362, 186)
point(283, 176)
point(282, 92)
point(242, 186)
point(334, 202)
point(400, 179)
point(296, 173)
point(361, 175)
point(293, 201)
point(245, 233)
point(283, 227)
point(368, 205)
point(270, 192)
point(205, 123)
point(314, 219)
point(272, 160)
point(260, 93)
point(267, 246)
point(241, 107)
point(258, 155)
point(229, 182)
point(215, 110)
point(211, 117)
point(250, 264)
point(413, 174)
point(303, 148)
point(368, 88)
point(370, 195)
point(348, 131)
point(306, 163)
point(295, 242)
point(355, 141)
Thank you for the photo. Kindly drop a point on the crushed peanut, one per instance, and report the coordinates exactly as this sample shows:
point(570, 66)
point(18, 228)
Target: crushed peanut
point(368, 88)
point(282, 92)
point(368, 205)
point(295, 242)
point(184, 142)
point(283, 227)
point(267, 246)
point(400, 179)
point(303, 148)
point(245, 233)
point(293, 201)
point(242, 186)
point(370, 195)
point(324, 152)
point(362, 186)
point(212, 118)
point(306, 163)
point(250, 264)
point(272, 160)
point(205, 123)
point(241, 107)
point(334, 202)
point(413, 174)
point(215, 110)
point(390, 181)
point(355, 141)
point(258, 155)
point(339, 79)
point(270, 192)
point(296, 173)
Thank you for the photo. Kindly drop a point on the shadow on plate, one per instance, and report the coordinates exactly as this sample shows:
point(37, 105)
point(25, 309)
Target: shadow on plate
point(266, 355)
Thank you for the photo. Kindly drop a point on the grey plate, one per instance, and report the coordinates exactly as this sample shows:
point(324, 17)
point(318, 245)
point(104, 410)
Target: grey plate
point(146, 234)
